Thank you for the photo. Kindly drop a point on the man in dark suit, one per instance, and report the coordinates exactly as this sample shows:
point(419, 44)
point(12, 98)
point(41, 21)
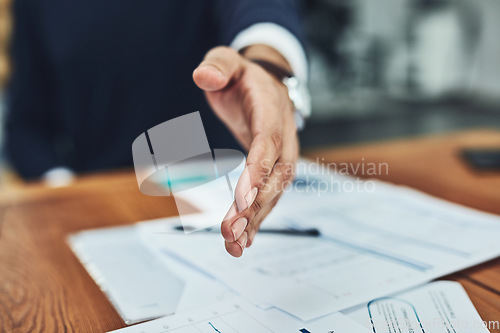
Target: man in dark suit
point(90, 76)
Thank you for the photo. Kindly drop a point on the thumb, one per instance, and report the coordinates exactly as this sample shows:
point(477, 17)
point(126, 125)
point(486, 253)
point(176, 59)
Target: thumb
point(220, 66)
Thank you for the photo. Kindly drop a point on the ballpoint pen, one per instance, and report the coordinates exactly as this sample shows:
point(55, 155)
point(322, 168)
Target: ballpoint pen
point(312, 232)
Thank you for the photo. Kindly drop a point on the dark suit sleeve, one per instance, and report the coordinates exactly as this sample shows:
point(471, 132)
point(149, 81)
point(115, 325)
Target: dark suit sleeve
point(233, 16)
point(28, 129)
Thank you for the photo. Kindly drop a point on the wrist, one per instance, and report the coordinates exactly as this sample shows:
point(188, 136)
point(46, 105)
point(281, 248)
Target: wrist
point(267, 53)
point(297, 91)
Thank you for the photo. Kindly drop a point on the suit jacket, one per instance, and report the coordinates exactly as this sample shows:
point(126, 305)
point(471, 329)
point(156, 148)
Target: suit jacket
point(90, 76)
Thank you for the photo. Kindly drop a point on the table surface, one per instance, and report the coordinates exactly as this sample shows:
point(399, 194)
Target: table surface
point(43, 287)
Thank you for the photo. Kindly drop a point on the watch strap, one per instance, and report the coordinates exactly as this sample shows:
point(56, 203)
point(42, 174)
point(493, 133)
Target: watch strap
point(277, 71)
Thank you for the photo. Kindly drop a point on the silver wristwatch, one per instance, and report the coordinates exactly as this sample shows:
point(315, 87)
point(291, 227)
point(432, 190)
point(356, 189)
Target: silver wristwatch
point(297, 91)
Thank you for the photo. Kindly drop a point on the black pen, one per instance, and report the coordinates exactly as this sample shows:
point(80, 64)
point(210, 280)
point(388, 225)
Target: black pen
point(312, 232)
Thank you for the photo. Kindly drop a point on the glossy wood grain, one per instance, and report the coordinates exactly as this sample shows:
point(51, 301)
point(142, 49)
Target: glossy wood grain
point(43, 287)
point(487, 302)
point(432, 164)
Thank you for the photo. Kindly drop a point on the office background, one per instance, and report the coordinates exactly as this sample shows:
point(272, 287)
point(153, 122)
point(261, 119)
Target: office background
point(396, 68)
point(382, 69)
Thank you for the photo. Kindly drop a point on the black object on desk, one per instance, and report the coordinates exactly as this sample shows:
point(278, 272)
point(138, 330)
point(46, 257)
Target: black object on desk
point(312, 232)
point(482, 159)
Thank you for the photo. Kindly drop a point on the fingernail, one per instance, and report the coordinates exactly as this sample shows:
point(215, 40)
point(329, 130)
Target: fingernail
point(243, 241)
point(238, 227)
point(231, 213)
point(250, 196)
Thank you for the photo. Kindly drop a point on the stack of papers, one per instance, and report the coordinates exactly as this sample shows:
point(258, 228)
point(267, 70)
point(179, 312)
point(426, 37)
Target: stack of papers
point(373, 244)
point(439, 307)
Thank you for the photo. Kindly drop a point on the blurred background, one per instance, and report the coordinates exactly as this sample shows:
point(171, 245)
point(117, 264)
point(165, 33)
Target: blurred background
point(5, 25)
point(382, 69)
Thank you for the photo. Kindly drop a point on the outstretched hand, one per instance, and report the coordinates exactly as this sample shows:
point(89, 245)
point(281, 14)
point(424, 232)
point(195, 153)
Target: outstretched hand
point(256, 108)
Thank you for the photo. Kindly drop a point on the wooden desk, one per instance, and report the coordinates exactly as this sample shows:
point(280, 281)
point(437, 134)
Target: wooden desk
point(43, 287)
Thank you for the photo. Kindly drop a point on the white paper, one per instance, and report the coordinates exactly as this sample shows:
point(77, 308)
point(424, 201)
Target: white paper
point(427, 232)
point(374, 243)
point(306, 277)
point(199, 288)
point(136, 282)
point(438, 307)
point(238, 316)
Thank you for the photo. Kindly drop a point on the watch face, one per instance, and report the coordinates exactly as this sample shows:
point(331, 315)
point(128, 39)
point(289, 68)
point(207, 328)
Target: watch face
point(299, 120)
point(299, 94)
point(296, 98)
point(306, 100)
point(301, 99)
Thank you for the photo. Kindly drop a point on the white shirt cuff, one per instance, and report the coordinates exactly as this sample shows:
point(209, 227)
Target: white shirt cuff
point(280, 39)
point(58, 177)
